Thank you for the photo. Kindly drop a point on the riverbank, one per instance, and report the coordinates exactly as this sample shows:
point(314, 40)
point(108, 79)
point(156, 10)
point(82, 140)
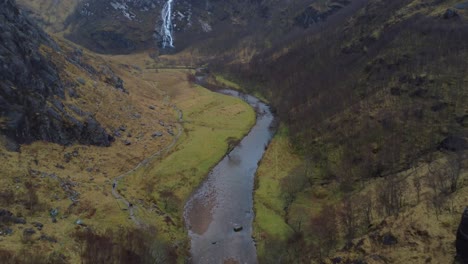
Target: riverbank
point(219, 214)
point(209, 120)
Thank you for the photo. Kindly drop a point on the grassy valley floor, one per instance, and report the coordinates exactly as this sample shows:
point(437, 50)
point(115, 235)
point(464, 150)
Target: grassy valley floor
point(77, 180)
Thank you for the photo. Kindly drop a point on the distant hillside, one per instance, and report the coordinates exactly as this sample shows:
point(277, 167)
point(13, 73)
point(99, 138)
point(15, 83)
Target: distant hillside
point(222, 27)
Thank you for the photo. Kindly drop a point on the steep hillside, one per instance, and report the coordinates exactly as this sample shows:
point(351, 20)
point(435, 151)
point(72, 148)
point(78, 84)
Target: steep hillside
point(376, 78)
point(32, 88)
point(368, 101)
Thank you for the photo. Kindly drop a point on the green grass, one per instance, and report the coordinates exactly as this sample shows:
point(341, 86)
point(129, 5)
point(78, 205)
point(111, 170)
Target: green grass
point(209, 119)
point(276, 164)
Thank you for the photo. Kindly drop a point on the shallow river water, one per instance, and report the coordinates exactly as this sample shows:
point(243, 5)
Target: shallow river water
point(224, 202)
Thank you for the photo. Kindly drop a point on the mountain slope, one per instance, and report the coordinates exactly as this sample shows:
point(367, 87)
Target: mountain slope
point(368, 102)
point(31, 89)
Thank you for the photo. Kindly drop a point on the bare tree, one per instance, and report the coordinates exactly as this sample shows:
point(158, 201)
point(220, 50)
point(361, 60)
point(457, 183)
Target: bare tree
point(391, 195)
point(417, 186)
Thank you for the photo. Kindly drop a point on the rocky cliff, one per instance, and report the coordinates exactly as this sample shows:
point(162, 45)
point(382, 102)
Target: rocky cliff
point(31, 90)
point(125, 26)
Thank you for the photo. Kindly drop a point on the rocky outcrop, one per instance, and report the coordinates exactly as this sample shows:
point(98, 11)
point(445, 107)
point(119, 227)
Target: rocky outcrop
point(31, 89)
point(462, 238)
point(311, 15)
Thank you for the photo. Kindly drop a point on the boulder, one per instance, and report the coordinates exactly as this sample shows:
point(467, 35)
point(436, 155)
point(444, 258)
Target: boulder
point(29, 232)
point(157, 134)
point(170, 131)
point(453, 143)
point(38, 225)
point(449, 14)
point(48, 238)
point(237, 228)
point(6, 231)
point(388, 239)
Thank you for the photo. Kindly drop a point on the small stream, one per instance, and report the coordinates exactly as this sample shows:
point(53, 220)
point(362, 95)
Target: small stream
point(223, 202)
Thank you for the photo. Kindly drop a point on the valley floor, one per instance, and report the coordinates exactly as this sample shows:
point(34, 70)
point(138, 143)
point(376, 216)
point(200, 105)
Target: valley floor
point(68, 189)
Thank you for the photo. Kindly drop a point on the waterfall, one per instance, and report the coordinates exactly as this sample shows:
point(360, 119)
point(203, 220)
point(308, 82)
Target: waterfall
point(166, 28)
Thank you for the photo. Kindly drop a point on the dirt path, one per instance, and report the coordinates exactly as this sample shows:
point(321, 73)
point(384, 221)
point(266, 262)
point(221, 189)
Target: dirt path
point(118, 196)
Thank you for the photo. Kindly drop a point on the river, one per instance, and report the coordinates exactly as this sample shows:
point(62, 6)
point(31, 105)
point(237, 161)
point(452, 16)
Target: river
point(224, 202)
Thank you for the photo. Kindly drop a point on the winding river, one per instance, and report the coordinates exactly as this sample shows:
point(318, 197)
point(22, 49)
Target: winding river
point(219, 214)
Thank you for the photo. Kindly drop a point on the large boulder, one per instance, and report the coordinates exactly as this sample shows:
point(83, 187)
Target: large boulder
point(454, 143)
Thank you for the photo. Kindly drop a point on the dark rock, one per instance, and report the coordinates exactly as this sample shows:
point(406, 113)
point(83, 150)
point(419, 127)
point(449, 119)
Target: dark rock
point(237, 228)
point(162, 123)
point(29, 232)
point(151, 107)
point(449, 14)
point(388, 239)
point(462, 238)
point(170, 131)
point(312, 16)
point(127, 142)
point(5, 231)
point(7, 217)
point(112, 79)
point(37, 225)
point(19, 220)
point(48, 238)
point(454, 143)
point(5, 214)
point(122, 128)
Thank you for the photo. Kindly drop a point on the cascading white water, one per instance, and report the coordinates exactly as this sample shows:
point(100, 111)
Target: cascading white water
point(166, 28)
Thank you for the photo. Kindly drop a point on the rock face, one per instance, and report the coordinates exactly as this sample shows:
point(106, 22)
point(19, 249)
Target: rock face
point(31, 90)
point(462, 238)
point(125, 26)
point(311, 15)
